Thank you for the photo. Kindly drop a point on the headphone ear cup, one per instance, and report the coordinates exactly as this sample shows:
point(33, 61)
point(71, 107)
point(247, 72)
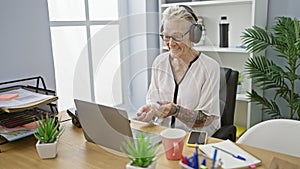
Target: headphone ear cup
point(195, 33)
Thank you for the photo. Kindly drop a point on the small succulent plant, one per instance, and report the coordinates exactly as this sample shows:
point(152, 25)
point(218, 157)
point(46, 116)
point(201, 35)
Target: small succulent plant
point(141, 152)
point(47, 130)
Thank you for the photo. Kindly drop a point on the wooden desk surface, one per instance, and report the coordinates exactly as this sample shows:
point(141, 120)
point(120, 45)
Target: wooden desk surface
point(75, 152)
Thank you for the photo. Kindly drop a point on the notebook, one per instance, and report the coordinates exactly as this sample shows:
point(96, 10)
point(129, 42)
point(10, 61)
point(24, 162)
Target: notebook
point(225, 152)
point(107, 126)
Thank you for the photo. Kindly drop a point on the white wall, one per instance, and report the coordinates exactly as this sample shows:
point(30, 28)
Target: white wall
point(25, 48)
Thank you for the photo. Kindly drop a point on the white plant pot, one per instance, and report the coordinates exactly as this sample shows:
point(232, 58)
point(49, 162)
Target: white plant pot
point(152, 166)
point(239, 89)
point(46, 150)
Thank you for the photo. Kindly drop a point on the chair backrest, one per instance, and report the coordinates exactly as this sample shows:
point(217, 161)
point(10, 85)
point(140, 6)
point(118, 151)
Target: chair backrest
point(280, 135)
point(228, 87)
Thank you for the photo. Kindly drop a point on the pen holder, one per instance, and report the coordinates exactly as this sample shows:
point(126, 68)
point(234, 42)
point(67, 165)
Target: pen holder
point(209, 163)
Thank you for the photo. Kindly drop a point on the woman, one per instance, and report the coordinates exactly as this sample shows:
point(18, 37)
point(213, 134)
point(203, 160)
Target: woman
point(185, 82)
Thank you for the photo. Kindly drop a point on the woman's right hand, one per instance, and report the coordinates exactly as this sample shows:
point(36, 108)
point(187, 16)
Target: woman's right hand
point(146, 112)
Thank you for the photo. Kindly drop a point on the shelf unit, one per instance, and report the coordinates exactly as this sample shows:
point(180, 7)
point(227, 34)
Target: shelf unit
point(241, 14)
point(206, 2)
point(216, 49)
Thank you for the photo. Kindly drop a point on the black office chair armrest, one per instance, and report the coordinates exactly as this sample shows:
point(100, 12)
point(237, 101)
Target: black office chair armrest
point(226, 132)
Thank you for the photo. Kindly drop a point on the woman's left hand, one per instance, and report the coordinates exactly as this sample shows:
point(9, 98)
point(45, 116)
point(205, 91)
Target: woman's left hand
point(146, 113)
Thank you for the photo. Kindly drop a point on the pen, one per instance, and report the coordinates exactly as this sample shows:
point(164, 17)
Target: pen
point(188, 162)
point(233, 155)
point(158, 102)
point(183, 159)
point(195, 159)
point(203, 164)
point(214, 158)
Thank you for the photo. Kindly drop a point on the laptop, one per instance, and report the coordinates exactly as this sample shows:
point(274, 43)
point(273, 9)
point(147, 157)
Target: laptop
point(107, 126)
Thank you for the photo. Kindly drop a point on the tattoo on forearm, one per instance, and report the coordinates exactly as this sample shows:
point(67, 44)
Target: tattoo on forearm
point(201, 118)
point(174, 110)
point(193, 118)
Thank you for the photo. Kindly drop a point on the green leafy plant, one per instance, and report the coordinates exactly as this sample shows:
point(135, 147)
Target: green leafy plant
point(280, 78)
point(240, 79)
point(141, 154)
point(47, 130)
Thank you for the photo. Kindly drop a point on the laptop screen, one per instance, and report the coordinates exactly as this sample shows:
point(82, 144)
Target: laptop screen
point(103, 125)
point(106, 126)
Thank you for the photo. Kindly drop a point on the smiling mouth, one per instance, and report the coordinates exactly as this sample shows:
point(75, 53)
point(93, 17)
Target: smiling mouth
point(174, 49)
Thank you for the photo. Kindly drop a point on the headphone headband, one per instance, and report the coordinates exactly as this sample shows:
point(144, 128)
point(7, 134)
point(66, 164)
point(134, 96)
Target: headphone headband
point(189, 10)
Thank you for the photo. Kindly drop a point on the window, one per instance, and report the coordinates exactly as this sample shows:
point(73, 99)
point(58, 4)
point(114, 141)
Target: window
point(86, 51)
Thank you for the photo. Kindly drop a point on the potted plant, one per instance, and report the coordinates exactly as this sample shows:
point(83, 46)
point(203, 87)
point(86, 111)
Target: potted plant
point(239, 83)
point(47, 135)
point(140, 152)
point(278, 77)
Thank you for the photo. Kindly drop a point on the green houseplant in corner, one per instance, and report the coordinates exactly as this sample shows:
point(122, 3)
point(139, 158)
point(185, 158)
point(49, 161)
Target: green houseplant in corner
point(140, 152)
point(239, 83)
point(278, 77)
point(47, 135)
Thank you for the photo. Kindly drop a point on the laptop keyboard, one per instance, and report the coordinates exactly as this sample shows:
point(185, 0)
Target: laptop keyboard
point(154, 138)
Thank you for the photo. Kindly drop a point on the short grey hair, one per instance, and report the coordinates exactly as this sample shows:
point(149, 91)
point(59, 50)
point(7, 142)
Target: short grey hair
point(177, 13)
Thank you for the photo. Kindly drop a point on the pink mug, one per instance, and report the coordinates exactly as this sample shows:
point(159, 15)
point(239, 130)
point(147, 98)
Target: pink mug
point(173, 141)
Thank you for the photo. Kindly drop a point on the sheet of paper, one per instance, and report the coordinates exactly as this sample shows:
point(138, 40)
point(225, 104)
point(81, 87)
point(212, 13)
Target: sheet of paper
point(228, 160)
point(15, 135)
point(25, 97)
point(26, 100)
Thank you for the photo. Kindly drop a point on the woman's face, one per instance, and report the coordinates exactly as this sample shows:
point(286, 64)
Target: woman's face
point(177, 28)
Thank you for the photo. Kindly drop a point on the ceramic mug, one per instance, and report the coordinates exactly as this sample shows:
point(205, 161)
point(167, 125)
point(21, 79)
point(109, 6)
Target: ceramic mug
point(173, 142)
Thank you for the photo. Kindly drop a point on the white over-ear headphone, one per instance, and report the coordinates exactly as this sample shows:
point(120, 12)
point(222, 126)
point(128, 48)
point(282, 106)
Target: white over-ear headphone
point(195, 29)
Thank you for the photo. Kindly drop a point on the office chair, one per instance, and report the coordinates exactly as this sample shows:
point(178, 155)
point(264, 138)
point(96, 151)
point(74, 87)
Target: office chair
point(228, 87)
point(280, 135)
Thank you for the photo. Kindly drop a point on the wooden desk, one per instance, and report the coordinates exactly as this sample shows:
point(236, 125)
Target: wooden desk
point(75, 152)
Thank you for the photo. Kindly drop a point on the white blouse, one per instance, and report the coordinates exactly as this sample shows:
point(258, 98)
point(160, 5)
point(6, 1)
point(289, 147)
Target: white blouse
point(198, 90)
